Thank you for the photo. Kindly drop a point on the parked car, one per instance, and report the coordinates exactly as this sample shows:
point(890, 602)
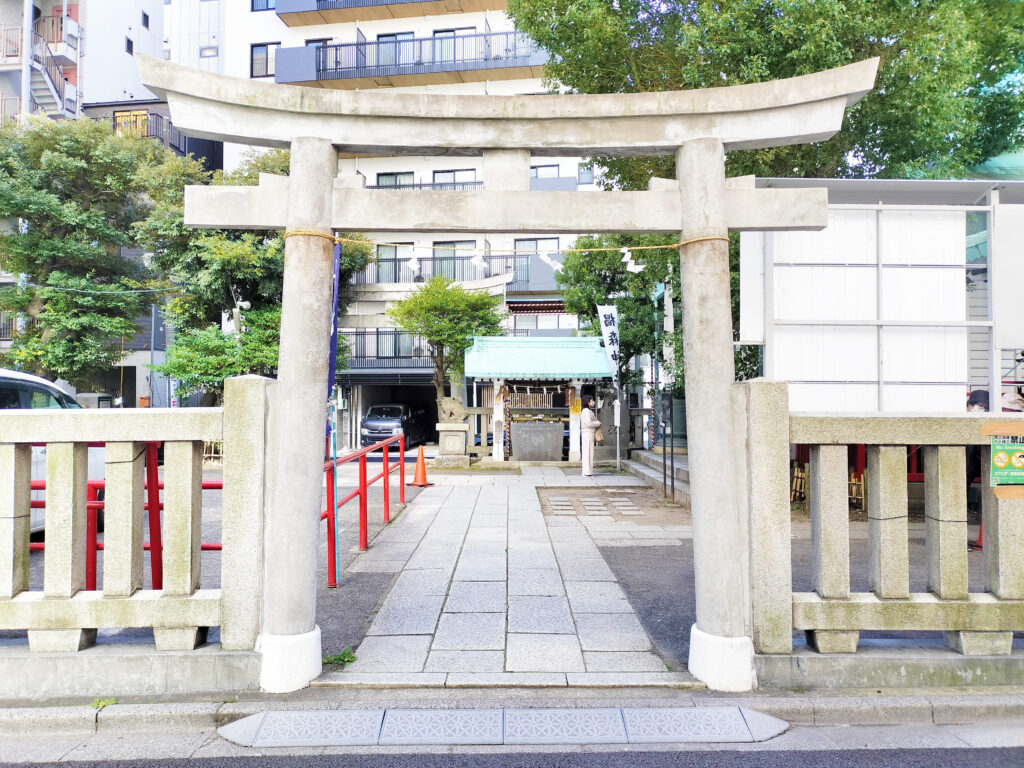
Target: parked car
point(384, 421)
point(22, 390)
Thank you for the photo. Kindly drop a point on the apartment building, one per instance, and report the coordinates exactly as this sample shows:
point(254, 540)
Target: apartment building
point(43, 51)
point(465, 47)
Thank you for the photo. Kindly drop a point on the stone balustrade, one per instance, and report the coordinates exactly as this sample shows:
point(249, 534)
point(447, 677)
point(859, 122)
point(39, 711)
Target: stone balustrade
point(63, 616)
point(832, 616)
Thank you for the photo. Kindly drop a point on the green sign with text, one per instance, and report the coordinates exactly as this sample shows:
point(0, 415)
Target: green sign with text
point(1007, 460)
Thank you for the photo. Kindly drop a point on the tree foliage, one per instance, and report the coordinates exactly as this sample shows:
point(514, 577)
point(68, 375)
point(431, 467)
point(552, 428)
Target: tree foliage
point(70, 191)
point(448, 317)
point(944, 99)
point(215, 270)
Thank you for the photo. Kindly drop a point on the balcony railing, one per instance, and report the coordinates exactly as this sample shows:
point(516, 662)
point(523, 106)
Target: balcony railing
point(10, 108)
point(450, 186)
point(456, 268)
point(430, 54)
point(10, 44)
point(150, 125)
point(51, 29)
point(386, 348)
point(309, 12)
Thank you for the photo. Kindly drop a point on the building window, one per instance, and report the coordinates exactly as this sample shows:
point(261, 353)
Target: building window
point(404, 179)
point(207, 51)
point(398, 48)
point(131, 122)
point(455, 180)
point(261, 59)
point(393, 263)
point(543, 171)
point(264, 5)
point(317, 42)
point(525, 322)
point(586, 174)
point(451, 259)
point(448, 46)
point(145, 20)
point(129, 46)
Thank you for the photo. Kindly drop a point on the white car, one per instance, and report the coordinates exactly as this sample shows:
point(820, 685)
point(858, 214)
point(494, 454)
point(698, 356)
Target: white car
point(22, 390)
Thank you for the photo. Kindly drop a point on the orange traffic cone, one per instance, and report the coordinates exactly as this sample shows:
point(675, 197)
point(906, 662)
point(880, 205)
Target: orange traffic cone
point(420, 480)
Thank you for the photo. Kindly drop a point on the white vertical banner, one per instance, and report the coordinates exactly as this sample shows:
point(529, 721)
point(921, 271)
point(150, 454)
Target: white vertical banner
point(608, 317)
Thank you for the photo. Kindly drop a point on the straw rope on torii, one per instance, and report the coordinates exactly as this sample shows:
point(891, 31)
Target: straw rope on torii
point(701, 205)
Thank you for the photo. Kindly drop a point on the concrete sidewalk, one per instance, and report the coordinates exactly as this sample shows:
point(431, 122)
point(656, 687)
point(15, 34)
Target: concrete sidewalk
point(491, 591)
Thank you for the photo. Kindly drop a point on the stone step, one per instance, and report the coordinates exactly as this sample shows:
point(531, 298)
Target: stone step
point(653, 478)
point(653, 460)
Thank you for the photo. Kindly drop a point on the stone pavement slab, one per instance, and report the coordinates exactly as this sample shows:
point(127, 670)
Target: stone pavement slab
point(597, 597)
point(465, 661)
point(539, 614)
point(476, 597)
point(390, 653)
point(470, 632)
point(611, 632)
point(622, 661)
point(543, 653)
point(407, 615)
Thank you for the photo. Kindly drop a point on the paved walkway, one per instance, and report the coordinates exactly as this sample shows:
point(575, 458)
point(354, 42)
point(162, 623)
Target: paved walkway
point(492, 592)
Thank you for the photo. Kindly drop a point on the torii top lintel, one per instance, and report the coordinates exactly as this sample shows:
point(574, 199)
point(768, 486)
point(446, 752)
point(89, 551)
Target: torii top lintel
point(775, 113)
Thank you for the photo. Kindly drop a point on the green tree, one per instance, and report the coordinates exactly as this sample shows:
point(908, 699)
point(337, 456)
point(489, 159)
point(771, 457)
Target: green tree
point(213, 271)
point(70, 191)
point(943, 100)
point(448, 317)
point(592, 277)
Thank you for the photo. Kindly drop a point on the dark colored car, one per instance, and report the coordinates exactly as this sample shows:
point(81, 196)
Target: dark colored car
point(384, 421)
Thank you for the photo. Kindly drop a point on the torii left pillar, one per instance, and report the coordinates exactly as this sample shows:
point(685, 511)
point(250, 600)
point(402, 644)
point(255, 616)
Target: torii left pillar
point(290, 638)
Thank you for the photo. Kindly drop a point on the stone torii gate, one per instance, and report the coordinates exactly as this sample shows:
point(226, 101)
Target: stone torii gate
point(698, 127)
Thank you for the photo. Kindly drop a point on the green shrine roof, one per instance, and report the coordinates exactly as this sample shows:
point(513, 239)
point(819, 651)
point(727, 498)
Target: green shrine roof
point(533, 358)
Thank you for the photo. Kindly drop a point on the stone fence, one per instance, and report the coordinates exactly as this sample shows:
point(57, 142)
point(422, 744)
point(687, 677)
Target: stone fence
point(62, 616)
point(832, 616)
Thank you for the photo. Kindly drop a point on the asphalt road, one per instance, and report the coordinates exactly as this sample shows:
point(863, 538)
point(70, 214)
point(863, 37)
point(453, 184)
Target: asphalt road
point(915, 758)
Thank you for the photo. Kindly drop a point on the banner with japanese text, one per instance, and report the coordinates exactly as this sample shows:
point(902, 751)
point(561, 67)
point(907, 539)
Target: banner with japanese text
point(608, 317)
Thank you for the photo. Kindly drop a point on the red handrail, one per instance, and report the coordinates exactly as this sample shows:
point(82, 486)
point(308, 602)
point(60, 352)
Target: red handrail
point(152, 486)
point(330, 514)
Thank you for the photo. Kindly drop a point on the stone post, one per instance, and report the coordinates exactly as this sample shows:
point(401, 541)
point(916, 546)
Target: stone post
point(244, 507)
point(765, 484)
point(290, 638)
point(721, 651)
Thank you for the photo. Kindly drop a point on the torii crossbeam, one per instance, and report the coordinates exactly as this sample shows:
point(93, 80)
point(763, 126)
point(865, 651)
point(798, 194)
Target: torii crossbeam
point(698, 127)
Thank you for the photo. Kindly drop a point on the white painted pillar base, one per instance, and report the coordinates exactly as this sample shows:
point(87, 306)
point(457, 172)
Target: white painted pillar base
point(721, 663)
point(290, 662)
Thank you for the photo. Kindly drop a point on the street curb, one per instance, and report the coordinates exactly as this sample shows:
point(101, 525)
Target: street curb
point(158, 717)
point(32, 720)
point(883, 709)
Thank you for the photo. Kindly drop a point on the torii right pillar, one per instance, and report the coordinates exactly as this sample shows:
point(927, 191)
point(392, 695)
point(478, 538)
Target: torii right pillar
point(721, 650)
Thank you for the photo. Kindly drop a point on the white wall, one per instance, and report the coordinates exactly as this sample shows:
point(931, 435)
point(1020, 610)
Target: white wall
point(191, 26)
point(108, 72)
point(832, 308)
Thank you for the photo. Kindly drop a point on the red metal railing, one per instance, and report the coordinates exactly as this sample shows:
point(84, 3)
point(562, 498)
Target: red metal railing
point(94, 504)
point(330, 514)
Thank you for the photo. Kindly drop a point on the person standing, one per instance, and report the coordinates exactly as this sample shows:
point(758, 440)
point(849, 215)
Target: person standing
point(590, 426)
